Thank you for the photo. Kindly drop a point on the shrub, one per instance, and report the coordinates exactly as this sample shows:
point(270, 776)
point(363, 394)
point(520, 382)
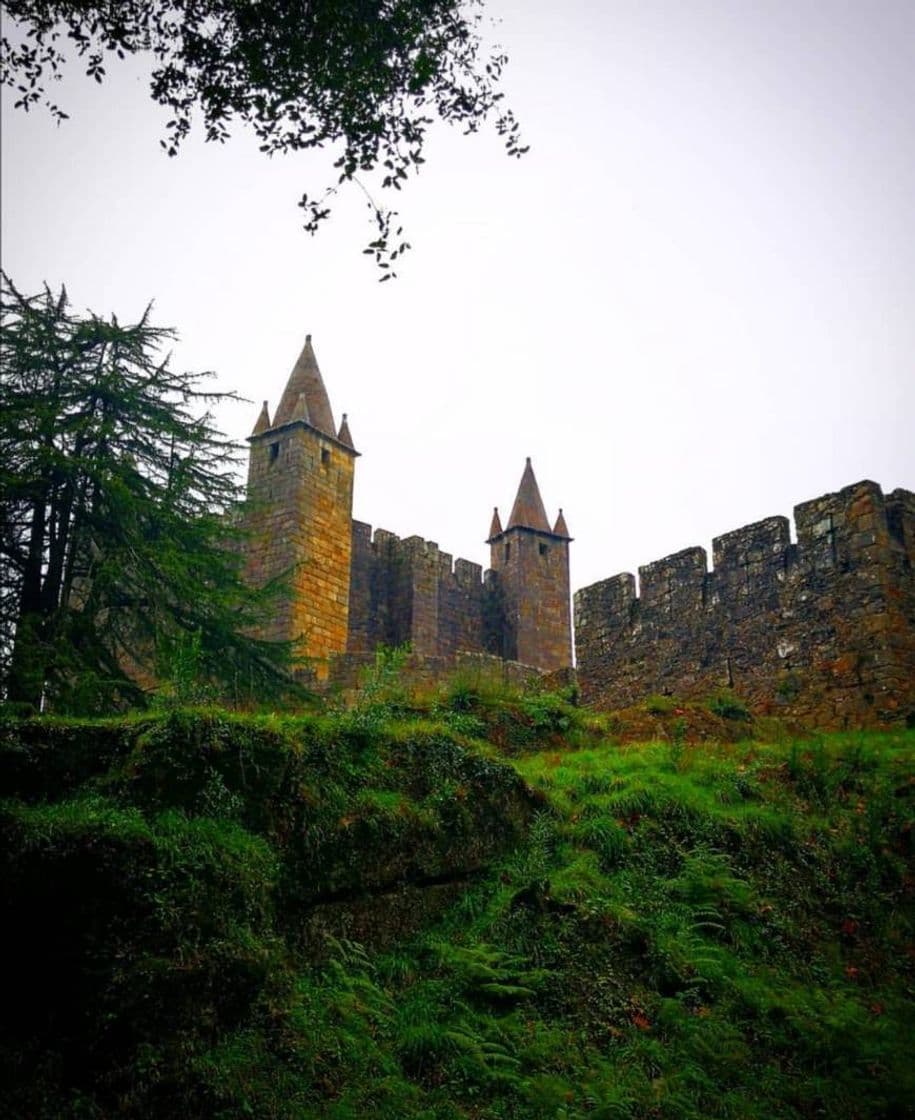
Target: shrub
point(657, 705)
point(728, 706)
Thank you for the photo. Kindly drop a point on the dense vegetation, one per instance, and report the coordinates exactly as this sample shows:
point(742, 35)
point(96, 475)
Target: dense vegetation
point(120, 563)
point(478, 906)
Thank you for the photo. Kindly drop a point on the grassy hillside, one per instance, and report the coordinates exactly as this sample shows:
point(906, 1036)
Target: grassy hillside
point(482, 906)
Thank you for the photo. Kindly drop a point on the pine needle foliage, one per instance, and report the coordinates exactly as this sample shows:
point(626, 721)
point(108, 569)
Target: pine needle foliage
point(117, 491)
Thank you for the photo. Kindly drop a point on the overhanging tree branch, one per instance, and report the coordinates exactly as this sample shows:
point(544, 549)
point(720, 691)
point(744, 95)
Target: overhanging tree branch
point(367, 78)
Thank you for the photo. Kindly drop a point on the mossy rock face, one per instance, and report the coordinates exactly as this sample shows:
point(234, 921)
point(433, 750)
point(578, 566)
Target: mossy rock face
point(319, 789)
point(43, 759)
point(128, 931)
point(350, 813)
point(379, 920)
point(163, 877)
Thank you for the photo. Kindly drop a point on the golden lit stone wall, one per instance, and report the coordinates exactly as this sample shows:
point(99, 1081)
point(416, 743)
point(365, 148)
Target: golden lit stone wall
point(300, 486)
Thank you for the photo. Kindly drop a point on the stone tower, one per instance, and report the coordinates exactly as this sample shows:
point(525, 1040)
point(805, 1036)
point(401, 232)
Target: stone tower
point(300, 489)
point(531, 562)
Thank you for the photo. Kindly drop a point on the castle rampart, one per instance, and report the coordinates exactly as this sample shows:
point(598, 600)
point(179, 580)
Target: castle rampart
point(823, 630)
point(408, 591)
point(350, 591)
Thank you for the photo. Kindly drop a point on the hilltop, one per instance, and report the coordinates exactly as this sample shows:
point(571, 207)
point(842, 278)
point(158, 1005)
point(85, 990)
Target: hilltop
point(477, 904)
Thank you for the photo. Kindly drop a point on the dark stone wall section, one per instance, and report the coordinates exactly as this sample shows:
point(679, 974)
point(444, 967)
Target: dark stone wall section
point(822, 631)
point(531, 569)
point(409, 591)
point(348, 671)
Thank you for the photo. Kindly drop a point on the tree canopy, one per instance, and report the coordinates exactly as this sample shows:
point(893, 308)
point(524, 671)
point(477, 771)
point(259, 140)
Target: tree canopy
point(367, 77)
point(117, 495)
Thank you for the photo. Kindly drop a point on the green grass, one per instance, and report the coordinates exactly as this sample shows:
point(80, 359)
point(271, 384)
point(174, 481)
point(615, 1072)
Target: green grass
point(664, 930)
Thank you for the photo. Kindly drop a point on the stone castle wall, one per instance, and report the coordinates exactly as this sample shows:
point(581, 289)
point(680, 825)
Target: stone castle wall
point(348, 671)
point(409, 591)
point(532, 570)
point(300, 483)
point(822, 630)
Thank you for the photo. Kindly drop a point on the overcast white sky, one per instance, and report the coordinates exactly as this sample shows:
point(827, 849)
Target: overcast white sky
point(692, 303)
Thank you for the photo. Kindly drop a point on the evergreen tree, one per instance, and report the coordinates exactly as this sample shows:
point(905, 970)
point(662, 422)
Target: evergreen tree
point(116, 537)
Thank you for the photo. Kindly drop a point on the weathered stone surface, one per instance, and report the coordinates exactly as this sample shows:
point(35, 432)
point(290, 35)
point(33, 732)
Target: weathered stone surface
point(531, 577)
point(823, 631)
point(352, 591)
point(409, 591)
point(347, 671)
point(300, 486)
point(530, 565)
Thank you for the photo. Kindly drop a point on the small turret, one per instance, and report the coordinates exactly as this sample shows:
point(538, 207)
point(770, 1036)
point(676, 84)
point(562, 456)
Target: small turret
point(495, 526)
point(263, 421)
point(530, 563)
point(344, 434)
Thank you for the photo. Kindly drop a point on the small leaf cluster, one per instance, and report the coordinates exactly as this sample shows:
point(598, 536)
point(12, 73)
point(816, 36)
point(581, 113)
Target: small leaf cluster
point(367, 79)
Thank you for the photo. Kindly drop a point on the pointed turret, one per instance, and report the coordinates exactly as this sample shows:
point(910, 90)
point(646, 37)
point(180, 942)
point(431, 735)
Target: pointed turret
point(528, 512)
point(495, 526)
point(300, 485)
point(263, 421)
point(530, 582)
point(560, 528)
point(306, 379)
point(344, 434)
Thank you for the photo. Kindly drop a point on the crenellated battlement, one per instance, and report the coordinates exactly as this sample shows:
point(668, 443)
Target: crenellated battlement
point(407, 590)
point(823, 628)
point(826, 625)
point(352, 589)
point(384, 544)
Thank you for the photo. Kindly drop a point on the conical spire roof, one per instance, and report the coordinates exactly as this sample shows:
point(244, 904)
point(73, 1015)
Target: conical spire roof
point(306, 379)
point(495, 526)
point(528, 511)
point(560, 528)
point(263, 421)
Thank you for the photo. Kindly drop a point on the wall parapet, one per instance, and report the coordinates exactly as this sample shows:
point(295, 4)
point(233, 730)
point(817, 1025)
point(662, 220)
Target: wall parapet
point(382, 543)
point(407, 590)
point(823, 628)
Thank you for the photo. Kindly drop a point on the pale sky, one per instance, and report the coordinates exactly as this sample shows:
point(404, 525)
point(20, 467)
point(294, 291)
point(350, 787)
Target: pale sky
point(692, 303)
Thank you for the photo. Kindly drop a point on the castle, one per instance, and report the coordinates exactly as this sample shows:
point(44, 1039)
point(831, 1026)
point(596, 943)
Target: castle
point(821, 630)
point(352, 591)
